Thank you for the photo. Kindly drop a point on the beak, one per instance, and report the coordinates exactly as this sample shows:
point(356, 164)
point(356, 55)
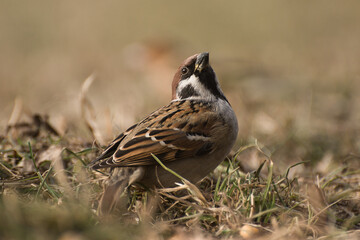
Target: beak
point(202, 61)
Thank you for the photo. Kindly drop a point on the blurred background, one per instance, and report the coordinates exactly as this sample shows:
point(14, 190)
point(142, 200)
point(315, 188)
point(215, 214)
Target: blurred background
point(289, 68)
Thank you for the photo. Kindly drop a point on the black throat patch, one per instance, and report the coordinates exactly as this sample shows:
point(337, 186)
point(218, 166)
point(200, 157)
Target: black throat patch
point(188, 91)
point(208, 79)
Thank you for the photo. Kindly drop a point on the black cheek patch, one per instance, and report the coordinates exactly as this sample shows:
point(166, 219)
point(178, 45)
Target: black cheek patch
point(188, 91)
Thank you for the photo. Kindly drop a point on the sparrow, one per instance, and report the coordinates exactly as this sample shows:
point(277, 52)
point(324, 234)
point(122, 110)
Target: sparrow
point(191, 135)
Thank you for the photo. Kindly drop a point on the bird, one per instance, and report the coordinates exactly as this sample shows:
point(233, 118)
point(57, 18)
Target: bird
point(191, 135)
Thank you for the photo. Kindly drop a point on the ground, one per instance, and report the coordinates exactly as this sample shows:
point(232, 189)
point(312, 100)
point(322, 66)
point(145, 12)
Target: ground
point(299, 186)
point(73, 75)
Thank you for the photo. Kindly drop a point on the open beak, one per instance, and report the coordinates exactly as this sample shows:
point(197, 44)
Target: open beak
point(202, 61)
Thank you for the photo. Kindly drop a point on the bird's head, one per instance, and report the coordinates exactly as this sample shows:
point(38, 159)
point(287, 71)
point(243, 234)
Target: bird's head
point(195, 79)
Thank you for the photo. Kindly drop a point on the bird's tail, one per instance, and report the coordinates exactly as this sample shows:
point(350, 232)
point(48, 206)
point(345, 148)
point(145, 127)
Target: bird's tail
point(115, 194)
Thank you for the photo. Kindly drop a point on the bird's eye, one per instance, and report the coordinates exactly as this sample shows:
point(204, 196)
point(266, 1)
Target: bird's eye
point(184, 70)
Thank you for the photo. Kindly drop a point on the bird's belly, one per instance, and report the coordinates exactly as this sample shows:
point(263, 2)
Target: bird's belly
point(192, 169)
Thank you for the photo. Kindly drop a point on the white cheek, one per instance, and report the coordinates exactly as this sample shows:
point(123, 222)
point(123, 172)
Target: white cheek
point(196, 84)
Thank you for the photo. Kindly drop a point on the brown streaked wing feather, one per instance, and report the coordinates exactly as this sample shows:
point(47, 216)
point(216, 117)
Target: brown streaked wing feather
point(176, 132)
point(111, 149)
point(174, 147)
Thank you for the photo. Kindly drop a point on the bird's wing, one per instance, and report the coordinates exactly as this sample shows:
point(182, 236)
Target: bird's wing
point(110, 150)
point(179, 131)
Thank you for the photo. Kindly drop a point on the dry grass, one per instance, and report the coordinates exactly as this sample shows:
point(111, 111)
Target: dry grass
point(48, 192)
